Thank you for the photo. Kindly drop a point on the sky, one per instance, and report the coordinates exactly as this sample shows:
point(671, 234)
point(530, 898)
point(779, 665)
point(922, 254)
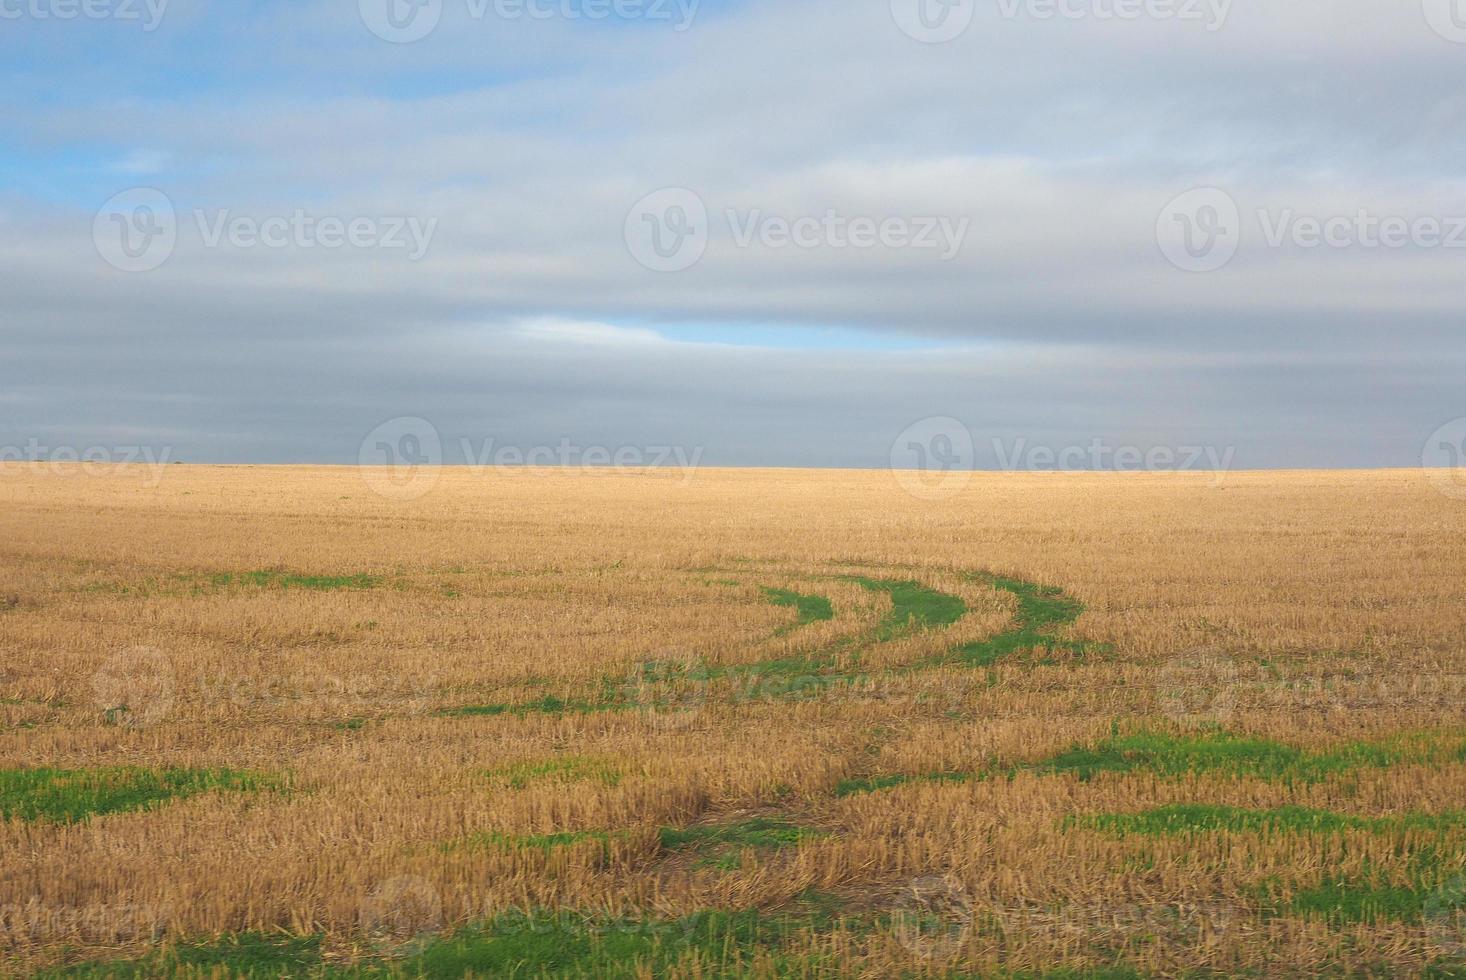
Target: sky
point(854, 233)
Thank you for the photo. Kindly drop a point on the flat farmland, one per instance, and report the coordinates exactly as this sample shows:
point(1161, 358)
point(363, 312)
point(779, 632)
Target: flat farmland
point(275, 721)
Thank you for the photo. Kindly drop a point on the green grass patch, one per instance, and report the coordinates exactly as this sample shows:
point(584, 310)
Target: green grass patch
point(1220, 752)
point(1344, 902)
point(567, 945)
point(808, 608)
point(721, 845)
point(251, 955)
point(70, 795)
point(872, 784)
point(1189, 818)
point(530, 842)
point(563, 769)
point(1041, 608)
point(913, 605)
point(288, 580)
point(547, 705)
point(1426, 887)
point(515, 944)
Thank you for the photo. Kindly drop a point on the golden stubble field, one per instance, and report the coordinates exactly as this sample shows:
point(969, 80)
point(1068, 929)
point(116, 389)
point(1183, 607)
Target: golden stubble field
point(574, 691)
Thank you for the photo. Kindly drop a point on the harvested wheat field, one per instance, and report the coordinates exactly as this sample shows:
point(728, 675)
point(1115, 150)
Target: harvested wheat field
point(271, 722)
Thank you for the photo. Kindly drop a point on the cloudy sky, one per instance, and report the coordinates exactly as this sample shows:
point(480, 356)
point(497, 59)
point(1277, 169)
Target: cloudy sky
point(785, 232)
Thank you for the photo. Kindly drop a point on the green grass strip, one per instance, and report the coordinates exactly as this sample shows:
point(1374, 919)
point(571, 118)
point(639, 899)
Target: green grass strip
point(1192, 818)
point(572, 768)
point(514, 944)
point(1171, 755)
point(873, 784)
point(70, 795)
point(1168, 754)
point(1041, 609)
point(287, 580)
point(808, 608)
point(530, 842)
point(913, 606)
point(755, 832)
